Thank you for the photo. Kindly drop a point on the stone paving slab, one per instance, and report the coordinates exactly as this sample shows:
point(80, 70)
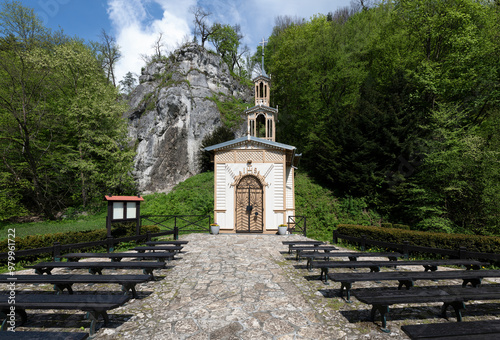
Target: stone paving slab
point(243, 286)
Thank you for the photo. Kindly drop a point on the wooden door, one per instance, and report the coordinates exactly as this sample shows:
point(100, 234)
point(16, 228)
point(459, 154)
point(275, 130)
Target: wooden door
point(249, 205)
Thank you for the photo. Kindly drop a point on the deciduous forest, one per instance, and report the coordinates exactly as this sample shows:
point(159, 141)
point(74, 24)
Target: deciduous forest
point(397, 103)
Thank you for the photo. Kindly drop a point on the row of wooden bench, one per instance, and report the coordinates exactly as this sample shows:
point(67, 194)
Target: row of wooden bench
point(381, 299)
point(95, 305)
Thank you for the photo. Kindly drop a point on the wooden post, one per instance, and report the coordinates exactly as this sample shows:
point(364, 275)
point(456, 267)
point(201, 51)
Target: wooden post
point(335, 238)
point(405, 249)
point(462, 253)
point(363, 242)
point(110, 244)
point(138, 221)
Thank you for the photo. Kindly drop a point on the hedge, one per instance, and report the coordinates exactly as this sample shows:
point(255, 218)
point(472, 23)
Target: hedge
point(70, 237)
point(473, 243)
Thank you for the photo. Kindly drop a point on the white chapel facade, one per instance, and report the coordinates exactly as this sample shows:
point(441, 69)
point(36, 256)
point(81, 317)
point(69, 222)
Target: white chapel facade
point(254, 175)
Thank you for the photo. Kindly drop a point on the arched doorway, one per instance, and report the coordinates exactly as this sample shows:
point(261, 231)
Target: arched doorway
point(249, 205)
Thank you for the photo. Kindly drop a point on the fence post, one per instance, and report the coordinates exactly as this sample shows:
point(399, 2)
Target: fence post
point(110, 244)
point(335, 238)
point(405, 249)
point(305, 227)
point(462, 253)
point(56, 251)
point(363, 242)
point(176, 233)
point(148, 236)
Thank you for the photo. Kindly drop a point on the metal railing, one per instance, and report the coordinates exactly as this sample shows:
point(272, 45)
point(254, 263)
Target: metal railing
point(297, 224)
point(180, 223)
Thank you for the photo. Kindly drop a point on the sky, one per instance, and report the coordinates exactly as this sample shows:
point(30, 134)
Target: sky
point(137, 24)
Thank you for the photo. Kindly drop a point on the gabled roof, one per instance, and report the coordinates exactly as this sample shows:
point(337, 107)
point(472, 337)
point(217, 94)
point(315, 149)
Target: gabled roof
point(251, 139)
point(261, 108)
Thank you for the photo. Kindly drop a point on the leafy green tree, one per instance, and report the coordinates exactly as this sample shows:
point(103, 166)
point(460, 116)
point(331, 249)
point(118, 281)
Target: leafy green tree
point(226, 41)
point(220, 135)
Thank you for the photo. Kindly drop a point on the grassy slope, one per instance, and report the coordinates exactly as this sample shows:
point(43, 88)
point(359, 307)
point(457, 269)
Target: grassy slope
point(195, 196)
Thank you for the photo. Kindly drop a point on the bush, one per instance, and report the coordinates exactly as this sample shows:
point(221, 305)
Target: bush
point(474, 243)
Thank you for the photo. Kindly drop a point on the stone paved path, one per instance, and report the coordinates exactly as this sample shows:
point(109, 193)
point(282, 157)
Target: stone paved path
point(224, 287)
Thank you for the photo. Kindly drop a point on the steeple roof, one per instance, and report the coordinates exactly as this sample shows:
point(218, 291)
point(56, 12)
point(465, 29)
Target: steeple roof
point(262, 70)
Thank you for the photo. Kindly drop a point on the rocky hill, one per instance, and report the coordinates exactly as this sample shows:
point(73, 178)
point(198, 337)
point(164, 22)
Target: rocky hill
point(173, 109)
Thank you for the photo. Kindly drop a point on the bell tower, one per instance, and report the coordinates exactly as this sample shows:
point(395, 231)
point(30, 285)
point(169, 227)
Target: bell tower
point(261, 117)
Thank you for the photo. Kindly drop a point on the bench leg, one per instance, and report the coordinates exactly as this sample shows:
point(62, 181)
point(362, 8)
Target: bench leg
point(309, 264)
point(116, 259)
point(95, 270)
point(41, 271)
point(428, 267)
point(93, 316)
point(407, 283)
point(347, 286)
point(60, 287)
point(6, 323)
point(324, 275)
point(457, 306)
point(149, 271)
point(474, 282)
point(129, 287)
point(384, 310)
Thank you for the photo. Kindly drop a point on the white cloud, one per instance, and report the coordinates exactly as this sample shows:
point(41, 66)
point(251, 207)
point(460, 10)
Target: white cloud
point(137, 28)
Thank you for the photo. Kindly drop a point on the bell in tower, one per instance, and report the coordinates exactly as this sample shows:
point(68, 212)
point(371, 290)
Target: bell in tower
point(261, 117)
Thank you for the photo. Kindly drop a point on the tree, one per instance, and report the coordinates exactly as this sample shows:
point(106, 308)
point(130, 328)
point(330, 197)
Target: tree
point(226, 42)
point(220, 135)
point(128, 83)
point(109, 55)
point(202, 27)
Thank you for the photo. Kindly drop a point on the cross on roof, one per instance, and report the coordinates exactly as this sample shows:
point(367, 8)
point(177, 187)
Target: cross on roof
point(263, 42)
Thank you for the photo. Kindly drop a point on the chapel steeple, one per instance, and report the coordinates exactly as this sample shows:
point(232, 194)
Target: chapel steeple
point(261, 117)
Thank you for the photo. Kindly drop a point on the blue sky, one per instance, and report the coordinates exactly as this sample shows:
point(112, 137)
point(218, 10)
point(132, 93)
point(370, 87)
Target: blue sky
point(136, 24)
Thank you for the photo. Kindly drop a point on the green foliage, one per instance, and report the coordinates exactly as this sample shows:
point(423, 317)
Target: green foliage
point(474, 243)
point(231, 109)
point(62, 136)
point(398, 104)
point(219, 135)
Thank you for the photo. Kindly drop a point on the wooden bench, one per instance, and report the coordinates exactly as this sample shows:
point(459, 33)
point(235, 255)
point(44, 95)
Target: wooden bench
point(375, 266)
point(294, 243)
point(94, 305)
point(177, 243)
point(97, 267)
point(66, 281)
point(142, 249)
point(407, 278)
point(484, 330)
point(315, 249)
point(117, 257)
point(381, 299)
point(34, 335)
point(352, 256)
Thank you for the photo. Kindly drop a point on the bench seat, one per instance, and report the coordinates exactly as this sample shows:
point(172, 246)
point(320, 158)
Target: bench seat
point(117, 257)
point(484, 330)
point(94, 305)
point(381, 299)
point(314, 249)
point(294, 243)
point(407, 278)
point(429, 265)
point(152, 243)
point(34, 335)
point(97, 267)
point(158, 248)
point(352, 256)
point(66, 281)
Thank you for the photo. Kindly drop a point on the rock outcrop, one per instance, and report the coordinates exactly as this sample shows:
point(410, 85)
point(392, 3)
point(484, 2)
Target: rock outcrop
point(171, 113)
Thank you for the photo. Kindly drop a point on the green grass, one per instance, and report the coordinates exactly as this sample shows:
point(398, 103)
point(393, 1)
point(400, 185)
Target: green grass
point(195, 196)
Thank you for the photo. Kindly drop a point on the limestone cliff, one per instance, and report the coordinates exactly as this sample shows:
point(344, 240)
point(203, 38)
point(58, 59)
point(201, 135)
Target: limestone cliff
point(171, 113)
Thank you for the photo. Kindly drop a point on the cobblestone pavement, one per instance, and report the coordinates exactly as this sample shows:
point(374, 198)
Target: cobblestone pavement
point(245, 286)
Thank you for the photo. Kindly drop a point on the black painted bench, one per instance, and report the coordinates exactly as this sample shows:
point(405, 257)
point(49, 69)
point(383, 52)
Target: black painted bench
point(177, 243)
point(429, 265)
point(315, 249)
point(36, 335)
point(94, 305)
point(62, 282)
point(407, 278)
point(352, 256)
point(303, 243)
point(484, 330)
point(381, 299)
point(117, 257)
point(142, 249)
point(97, 267)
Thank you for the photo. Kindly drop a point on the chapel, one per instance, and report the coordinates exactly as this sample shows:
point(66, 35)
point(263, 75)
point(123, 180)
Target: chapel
point(254, 174)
